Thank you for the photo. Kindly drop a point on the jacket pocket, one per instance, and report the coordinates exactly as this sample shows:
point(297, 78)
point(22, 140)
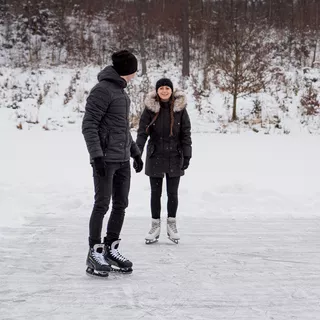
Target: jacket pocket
point(150, 150)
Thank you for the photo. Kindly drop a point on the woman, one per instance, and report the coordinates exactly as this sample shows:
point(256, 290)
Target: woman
point(166, 122)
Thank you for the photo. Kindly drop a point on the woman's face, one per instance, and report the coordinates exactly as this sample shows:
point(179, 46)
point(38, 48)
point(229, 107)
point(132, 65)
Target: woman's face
point(164, 93)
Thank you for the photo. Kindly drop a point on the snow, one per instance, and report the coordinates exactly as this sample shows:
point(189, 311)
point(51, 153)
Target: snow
point(249, 219)
point(54, 99)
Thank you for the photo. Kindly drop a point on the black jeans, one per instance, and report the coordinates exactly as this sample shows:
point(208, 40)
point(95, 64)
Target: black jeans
point(172, 193)
point(115, 184)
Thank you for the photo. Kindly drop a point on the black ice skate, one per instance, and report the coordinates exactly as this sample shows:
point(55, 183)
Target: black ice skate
point(96, 264)
point(117, 261)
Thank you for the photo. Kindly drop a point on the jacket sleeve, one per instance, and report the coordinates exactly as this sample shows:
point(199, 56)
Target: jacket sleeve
point(134, 149)
point(185, 134)
point(96, 107)
point(142, 135)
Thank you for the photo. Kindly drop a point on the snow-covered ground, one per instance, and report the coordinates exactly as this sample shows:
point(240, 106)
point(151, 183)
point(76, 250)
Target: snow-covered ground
point(54, 99)
point(249, 218)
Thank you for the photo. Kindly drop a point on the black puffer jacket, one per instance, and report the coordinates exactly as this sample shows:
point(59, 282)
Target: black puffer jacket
point(105, 124)
point(164, 153)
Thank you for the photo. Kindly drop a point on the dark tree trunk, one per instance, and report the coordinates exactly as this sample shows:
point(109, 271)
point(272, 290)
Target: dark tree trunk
point(185, 39)
point(141, 35)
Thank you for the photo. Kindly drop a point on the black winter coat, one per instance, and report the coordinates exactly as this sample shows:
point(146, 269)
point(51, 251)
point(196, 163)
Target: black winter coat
point(164, 153)
point(105, 124)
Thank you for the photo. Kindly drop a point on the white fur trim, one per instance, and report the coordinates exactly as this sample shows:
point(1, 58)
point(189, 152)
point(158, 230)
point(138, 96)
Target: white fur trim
point(179, 104)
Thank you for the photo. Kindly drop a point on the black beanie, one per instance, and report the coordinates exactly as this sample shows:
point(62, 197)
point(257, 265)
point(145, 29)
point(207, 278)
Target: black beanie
point(164, 82)
point(124, 62)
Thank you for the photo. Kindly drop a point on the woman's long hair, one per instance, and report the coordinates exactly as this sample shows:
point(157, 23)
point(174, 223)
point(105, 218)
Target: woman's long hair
point(171, 101)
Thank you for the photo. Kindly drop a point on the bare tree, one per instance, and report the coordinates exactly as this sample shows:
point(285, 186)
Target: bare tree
point(242, 62)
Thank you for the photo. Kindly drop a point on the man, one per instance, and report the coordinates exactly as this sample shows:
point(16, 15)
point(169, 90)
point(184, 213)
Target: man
point(107, 134)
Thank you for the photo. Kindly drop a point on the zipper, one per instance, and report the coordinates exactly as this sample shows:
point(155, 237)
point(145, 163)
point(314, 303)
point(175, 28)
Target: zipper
point(127, 123)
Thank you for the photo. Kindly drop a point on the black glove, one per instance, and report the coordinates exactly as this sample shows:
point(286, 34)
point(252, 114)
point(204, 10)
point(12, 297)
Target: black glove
point(137, 163)
point(100, 166)
point(186, 161)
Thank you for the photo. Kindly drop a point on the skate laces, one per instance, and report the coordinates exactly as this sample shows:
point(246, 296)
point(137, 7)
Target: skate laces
point(116, 254)
point(154, 227)
point(114, 251)
point(173, 226)
point(98, 257)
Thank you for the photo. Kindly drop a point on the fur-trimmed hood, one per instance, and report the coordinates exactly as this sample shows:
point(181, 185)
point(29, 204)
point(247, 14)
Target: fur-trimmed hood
point(180, 102)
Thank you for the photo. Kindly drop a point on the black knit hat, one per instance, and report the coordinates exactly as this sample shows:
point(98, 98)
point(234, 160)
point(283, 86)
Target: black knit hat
point(164, 82)
point(124, 62)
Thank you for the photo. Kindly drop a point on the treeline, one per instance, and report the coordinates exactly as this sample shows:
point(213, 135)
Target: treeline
point(86, 31)
point(239, 46)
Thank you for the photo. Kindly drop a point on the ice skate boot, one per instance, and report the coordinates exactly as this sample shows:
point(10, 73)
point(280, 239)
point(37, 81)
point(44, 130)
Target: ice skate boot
point(96, 264)
point(172, 231)
point(115, 259)
point(154, 232)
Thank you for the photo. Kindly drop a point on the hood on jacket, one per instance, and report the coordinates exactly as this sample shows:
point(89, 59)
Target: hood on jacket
point(110, 74)
point(180, 102)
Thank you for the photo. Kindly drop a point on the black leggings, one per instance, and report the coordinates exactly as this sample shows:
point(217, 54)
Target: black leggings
point(156, 192)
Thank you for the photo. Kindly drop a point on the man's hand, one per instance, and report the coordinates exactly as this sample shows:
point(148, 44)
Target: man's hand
point(137, 163)
point(100, 166)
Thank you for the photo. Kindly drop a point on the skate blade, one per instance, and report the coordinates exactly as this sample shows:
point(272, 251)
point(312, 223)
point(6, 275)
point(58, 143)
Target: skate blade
point(176, 241)
point(116, 269)
point(96, 274)
point(151, 241)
